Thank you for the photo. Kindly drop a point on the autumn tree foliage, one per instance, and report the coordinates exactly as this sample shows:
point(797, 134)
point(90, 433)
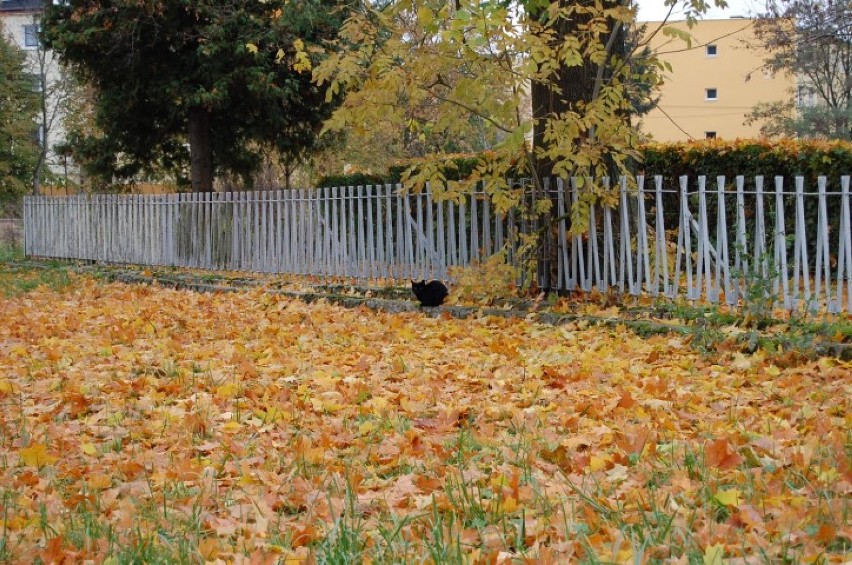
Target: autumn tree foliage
point(18, 106)
point(487, 60)
point(228, 77)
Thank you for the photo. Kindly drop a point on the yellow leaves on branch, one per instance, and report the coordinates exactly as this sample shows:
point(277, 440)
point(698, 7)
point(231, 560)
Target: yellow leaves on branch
point(301, 61)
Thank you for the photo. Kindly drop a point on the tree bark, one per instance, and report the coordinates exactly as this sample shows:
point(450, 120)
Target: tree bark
point(200, 152)
point(562, 92)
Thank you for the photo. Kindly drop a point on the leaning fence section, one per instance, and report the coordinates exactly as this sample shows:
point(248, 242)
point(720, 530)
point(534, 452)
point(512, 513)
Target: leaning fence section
point(720, 240)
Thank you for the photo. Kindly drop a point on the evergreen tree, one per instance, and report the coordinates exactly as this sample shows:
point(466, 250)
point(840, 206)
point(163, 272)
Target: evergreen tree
point(18, 135)
point(228, 76)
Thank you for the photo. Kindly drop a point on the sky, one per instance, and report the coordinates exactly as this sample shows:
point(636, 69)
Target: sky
point(652, 10)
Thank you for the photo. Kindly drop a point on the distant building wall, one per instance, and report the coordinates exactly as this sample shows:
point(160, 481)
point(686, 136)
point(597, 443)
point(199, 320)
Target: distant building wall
point(20, 19)
point(713, 84)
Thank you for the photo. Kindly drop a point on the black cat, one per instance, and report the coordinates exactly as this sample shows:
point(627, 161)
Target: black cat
point(432, 293)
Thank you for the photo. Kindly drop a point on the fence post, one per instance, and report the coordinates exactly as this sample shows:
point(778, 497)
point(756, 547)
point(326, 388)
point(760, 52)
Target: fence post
point(822, 269)
point(845, 247)
point(565, 280)
point(722, 256)
point(643, 262)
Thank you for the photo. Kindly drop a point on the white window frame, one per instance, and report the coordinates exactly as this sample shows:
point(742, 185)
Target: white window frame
point(715, 48)
point(707, 94)
point(31, 36)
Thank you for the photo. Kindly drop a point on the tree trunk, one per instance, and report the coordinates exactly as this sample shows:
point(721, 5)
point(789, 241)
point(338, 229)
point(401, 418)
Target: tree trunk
point(200, 152)
point(562, 92)
point(44, 130)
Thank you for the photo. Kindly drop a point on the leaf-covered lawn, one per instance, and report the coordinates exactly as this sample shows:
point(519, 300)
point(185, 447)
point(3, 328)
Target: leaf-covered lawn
point(143, 424)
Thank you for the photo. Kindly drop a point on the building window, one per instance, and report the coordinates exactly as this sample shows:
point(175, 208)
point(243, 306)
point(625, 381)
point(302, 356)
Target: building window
point(711, 94)
point(710, 50)
point(805, 97)
point(31, 36)
point(709, 135)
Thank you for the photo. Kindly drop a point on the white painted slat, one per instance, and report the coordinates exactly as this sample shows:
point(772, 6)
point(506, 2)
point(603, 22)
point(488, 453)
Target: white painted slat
point(625, 260)
point(781, 244)
point(431, 252)
point(357, 235)
point(328, 231)
point(421, 255)
point(801, 266)
point(390, 236)
point(486, 227)
point(643, 264)
point(845, 246)
point(565, 280)
point(661, 256)
point(382, 238)
point(578, 266)
point(336, 233)
point(451, 225)
point(723, 277)
point(593, 260)
point(822, 269)
point(761, 258)
point(704, 271)
point(464, 258)
point(609, 265)
point(686, 240)
point(371, 240)
point(411, 267)
point(401, 238)
point(304, 246)
point(442, 241)
point(474, 229)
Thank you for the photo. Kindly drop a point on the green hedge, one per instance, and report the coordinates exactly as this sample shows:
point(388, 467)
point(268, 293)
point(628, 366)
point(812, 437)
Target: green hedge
point(749, 158)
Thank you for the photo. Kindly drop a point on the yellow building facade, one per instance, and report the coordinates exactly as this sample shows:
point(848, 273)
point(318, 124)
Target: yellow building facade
point(714, 82)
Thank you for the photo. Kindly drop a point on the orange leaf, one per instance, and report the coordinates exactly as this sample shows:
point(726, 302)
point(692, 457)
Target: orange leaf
point(718, 453)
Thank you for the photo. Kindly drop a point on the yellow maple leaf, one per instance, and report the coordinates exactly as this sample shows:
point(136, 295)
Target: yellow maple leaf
point(715, 555)
point(6, 387)
point(227, 391)
point(597, 463)
point(730, 497)
point(37, 456)
point(251, 47)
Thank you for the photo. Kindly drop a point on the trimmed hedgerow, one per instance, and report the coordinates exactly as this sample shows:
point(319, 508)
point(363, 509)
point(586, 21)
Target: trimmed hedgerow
point(745, 157)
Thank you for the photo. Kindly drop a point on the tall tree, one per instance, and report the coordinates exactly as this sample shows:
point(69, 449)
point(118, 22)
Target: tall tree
point(221, 74)
point(54, 88)
point(812, 40)
point(18, 110)
point(482, 58)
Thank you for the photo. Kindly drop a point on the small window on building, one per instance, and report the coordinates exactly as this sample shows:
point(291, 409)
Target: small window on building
point(710, 50)
point(711, 94)
point(31, 36)
point(709, 135)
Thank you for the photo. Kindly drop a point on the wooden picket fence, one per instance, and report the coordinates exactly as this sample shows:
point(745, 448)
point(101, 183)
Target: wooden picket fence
point(735, 241)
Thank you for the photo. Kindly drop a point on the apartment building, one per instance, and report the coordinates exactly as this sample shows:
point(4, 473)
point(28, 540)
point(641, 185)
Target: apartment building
point(714, 82)
point(20, 19)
